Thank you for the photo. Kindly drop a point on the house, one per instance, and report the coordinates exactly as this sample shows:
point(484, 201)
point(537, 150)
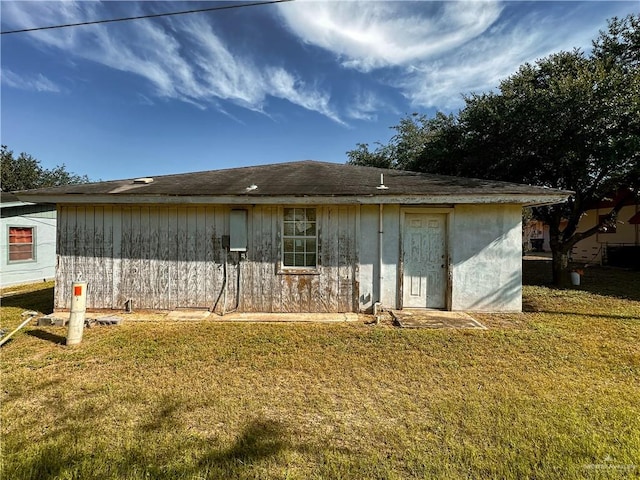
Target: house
point(28, 241)
point(618, 244)
point(536, 236)
point(293, 237)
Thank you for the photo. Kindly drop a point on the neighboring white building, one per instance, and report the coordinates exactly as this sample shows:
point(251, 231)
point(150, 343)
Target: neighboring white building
point(293, 237)
point(27, 241)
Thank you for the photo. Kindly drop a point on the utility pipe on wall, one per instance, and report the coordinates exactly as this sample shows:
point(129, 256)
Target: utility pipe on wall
point(226, 279)
point(226, 285)
point(380, 244)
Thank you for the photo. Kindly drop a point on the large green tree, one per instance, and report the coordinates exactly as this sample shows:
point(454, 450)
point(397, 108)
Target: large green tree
point(25, 172)
point(569, 121)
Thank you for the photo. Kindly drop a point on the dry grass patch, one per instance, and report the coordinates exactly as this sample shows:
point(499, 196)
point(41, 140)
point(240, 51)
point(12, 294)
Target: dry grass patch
point(553, 396)
point(15, 300)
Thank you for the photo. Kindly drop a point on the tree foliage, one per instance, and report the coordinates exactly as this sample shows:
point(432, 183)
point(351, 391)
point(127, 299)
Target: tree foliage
point(25, 172)
point(569, 121)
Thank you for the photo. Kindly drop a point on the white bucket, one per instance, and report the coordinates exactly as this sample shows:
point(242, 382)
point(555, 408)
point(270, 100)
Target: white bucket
point(575, 278)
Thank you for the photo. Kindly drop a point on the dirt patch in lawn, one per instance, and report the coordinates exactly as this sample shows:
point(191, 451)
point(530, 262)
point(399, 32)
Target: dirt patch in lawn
point(434, 319)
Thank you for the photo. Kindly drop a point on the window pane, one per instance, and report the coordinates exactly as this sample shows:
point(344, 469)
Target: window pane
point(289, 228)
point(311, 229)
point(311, 214)
point(311, 260)
point(289, 214)
point(311, 245)
point(288, 260)
point(299, 260)
point(288, 245)
point(20, 235)
point(20, 252)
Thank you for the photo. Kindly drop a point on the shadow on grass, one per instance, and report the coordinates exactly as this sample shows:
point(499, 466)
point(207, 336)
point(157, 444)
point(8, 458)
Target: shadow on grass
point(38, 300)
point(158, 448)
point(50, 337)
point(260, 439)
point(49, 463)
point(536, 272)
point(606, 281)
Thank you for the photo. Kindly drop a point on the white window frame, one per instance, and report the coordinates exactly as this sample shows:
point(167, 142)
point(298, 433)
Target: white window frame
point(302, 237)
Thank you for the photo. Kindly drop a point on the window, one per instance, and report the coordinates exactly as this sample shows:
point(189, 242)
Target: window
point(300, 240)
point(21, 244)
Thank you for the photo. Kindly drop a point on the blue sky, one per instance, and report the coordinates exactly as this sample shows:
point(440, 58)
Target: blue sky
point(255, 85)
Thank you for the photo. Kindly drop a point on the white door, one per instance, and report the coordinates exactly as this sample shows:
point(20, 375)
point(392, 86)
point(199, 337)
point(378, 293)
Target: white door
point(425, 258)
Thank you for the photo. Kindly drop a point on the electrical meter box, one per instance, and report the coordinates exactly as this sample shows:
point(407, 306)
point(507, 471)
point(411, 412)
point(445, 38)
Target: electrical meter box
point(238, 231)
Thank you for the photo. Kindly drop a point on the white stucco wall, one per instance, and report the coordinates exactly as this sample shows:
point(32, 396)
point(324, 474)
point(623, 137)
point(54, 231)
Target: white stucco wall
point(486, 258)
point(43, 267)
point(369, 293)
point(390, 255)
point(370, 255)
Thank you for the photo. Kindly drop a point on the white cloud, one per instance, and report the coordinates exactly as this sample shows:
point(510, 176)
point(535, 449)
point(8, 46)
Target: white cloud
point(480, 65)
point(431, 52)
point(39, 83)
point(365, 106)
point(434, 52)
point(286, 86)
point(188, 61)
point(371, 35)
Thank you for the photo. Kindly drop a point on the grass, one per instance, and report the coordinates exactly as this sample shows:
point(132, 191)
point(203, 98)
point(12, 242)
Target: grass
point(36, 297)
point(549, 393)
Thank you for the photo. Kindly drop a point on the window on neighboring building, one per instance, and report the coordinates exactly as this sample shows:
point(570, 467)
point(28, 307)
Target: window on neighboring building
point(609, 228)
point(300, 238)
point(21, 245)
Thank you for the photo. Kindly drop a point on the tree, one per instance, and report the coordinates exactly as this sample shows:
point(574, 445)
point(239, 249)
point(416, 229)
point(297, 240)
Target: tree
point(405, 150)
point(25, 172)
point(569, 121)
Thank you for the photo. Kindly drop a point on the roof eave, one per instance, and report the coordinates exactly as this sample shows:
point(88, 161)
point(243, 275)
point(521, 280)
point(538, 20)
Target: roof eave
point(521, 199)
point(15, 204)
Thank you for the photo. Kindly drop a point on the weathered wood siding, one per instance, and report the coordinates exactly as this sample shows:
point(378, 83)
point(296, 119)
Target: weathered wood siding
point(171, 257)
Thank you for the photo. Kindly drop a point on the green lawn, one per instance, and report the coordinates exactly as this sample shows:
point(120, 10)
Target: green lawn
point(553, 392)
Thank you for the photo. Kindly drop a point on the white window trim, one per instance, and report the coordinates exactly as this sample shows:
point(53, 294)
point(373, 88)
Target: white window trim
point(307, 270)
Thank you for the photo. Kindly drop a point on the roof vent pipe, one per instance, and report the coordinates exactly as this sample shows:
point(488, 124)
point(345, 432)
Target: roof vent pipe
point(382, 186)
point(143, 180)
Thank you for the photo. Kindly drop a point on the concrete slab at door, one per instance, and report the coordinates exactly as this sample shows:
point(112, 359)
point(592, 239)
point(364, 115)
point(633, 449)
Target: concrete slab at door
point(425, 257)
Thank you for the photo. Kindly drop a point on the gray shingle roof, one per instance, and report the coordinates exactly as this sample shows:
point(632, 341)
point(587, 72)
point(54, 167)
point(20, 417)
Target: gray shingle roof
point(303, 178)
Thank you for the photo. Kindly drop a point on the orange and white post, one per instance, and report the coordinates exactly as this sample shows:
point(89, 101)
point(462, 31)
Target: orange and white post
point(78, 309)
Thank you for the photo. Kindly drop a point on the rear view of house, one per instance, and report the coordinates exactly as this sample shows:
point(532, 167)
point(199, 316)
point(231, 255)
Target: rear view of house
point(294, 237)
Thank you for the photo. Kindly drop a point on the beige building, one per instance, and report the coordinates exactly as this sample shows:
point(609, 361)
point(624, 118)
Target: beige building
point(617, 245)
